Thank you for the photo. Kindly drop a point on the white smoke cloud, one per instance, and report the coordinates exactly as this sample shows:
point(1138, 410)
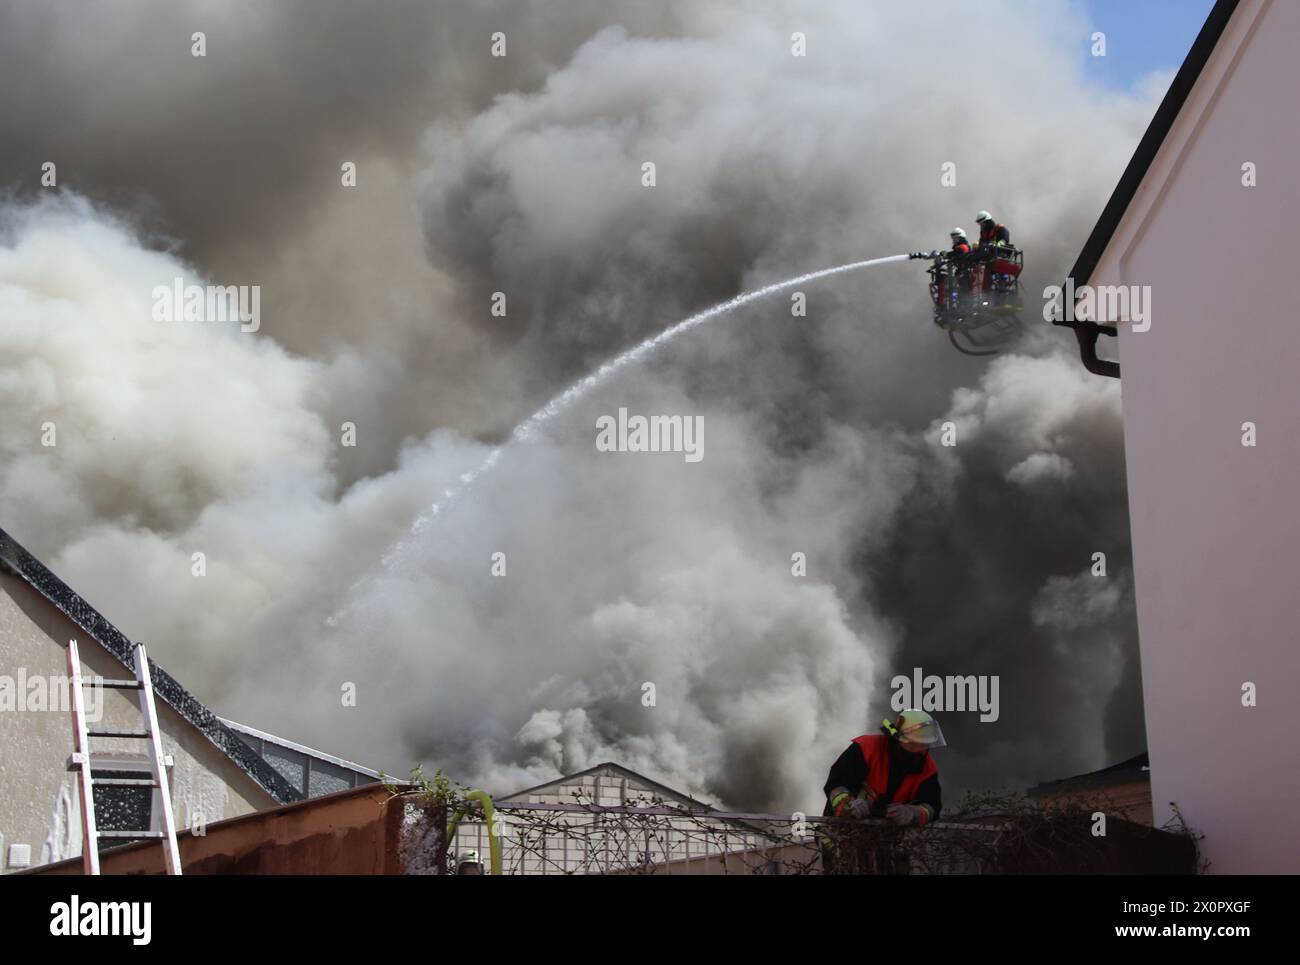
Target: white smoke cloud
point(1039, 466)
point(152, 420)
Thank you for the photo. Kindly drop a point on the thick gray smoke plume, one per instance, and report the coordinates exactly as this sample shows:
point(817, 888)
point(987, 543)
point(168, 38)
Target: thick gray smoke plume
point(522, 175)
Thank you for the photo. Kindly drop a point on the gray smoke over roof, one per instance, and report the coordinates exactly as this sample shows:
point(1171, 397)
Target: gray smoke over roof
point(522, 175)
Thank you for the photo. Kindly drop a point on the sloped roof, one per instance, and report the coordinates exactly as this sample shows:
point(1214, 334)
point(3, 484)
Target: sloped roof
point(1136, 768)
point(667, 792)
point(311, 758)
point(17, 560)
point(669, 796)
point(1136, 172)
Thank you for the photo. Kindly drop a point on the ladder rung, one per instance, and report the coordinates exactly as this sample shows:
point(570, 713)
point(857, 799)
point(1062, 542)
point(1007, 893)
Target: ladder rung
point(115, 732)
point(111, 684)
point(104, 762)
point(125, 781)
point(130, 834)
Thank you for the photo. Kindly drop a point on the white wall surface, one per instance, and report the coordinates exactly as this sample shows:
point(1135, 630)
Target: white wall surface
point(1216, 525)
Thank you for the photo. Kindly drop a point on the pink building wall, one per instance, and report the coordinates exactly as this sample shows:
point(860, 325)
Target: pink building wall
point(1215, 524)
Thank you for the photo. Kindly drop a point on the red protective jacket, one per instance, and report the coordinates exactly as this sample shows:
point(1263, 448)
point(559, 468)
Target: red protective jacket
point(990, 232)
point(897, 776)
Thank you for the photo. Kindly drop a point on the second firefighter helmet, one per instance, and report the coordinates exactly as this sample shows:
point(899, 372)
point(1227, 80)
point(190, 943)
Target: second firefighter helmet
point(469, 863)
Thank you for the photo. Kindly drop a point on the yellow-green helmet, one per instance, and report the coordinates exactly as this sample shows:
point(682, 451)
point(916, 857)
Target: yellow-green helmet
point(916, 727)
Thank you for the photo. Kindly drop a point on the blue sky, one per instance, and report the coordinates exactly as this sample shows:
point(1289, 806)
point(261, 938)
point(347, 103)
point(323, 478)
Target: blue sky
point(1141, 36)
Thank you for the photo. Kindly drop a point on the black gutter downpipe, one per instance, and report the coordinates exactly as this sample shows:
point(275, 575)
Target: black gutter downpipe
point(1086, 333)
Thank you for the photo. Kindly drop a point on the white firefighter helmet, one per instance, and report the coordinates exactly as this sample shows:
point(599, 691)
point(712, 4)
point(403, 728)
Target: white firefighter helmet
point(958, 233)
point(918, 727)
point(982, 217)
point(470, 859)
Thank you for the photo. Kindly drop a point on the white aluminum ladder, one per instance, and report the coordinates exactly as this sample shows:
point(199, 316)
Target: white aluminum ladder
point(82, 761)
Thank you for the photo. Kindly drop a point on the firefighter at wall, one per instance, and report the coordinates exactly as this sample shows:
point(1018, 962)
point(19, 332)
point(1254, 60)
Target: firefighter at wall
point(891, 774)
